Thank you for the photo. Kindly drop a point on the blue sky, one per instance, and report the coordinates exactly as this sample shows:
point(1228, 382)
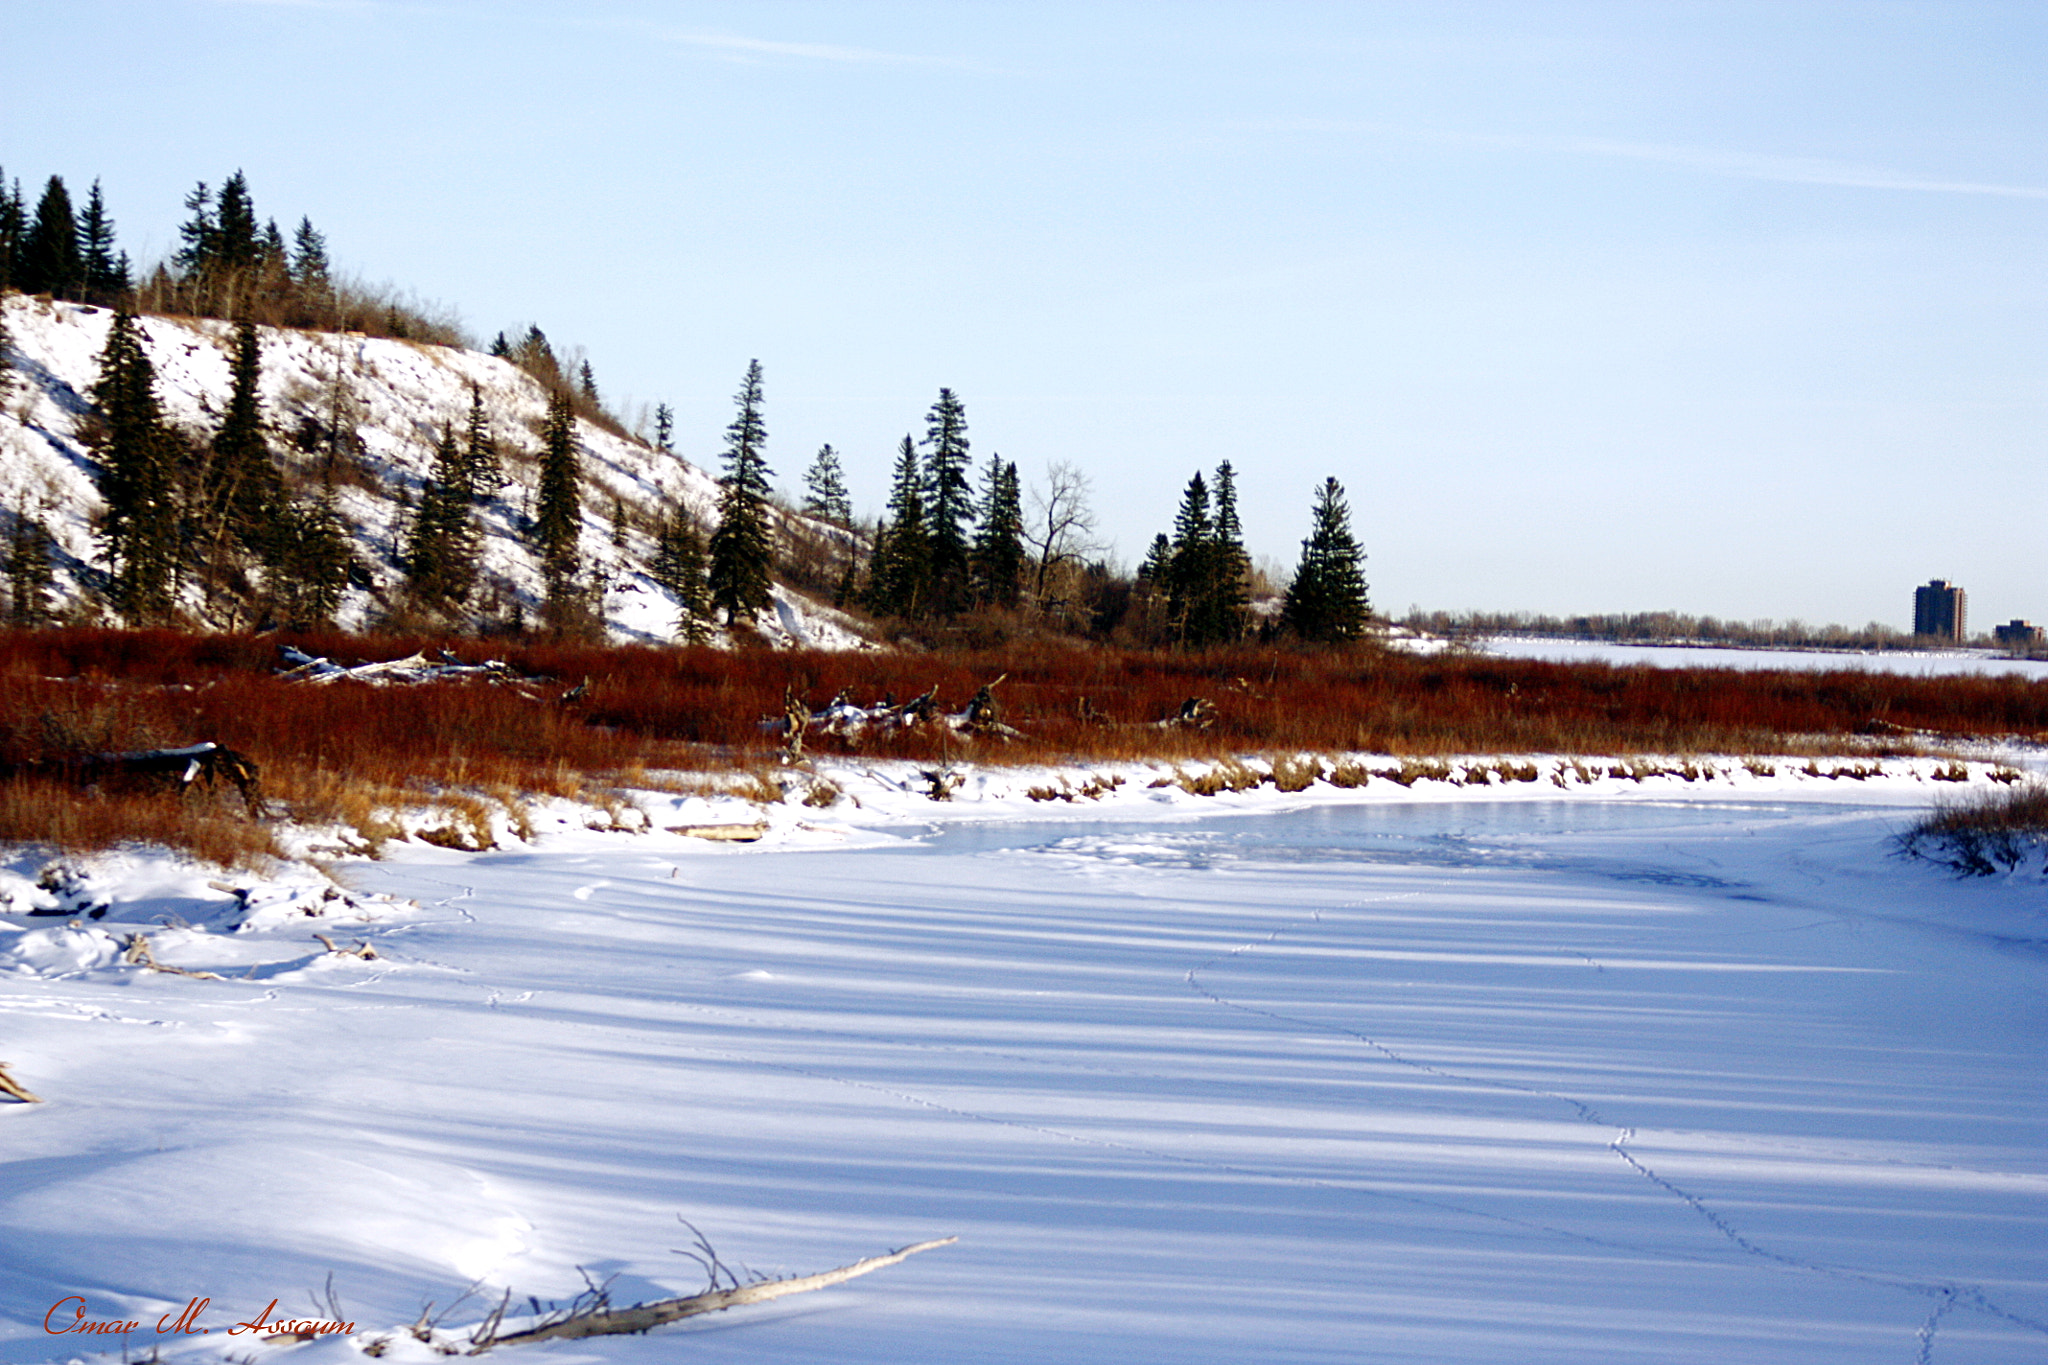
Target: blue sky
point(1724, 308)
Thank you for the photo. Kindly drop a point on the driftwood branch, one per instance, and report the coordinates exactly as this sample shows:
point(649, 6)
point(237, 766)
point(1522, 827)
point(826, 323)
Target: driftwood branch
point(645, 1316)
point(10, 1086)
point(139, 953)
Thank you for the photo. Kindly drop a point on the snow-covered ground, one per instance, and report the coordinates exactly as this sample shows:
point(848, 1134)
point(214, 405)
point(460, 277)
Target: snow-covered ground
point(1635, 1071)
point(1929, 663)
point(393, 398)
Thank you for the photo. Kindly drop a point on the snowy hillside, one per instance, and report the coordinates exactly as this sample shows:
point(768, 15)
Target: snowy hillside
point(395, 397)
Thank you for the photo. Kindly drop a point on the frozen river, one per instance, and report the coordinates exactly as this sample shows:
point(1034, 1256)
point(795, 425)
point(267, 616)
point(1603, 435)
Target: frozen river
point(1699, 1081)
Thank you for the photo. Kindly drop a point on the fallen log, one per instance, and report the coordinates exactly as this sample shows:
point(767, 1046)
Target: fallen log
point(646, 1316)
point(733, 834)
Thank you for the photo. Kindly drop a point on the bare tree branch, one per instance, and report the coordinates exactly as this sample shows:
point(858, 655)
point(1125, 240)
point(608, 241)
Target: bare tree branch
point(642, 1317)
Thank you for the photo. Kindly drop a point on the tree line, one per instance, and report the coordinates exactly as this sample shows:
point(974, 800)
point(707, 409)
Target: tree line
point(216, 512)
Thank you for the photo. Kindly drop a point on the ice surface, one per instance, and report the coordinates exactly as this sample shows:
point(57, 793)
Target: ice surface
point(1675, 1079)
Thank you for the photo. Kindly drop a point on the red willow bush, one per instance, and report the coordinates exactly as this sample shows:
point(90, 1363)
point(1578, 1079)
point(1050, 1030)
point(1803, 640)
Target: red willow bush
point(63, 692)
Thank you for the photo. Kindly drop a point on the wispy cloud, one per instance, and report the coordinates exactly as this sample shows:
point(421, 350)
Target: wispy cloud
point(1801, 170)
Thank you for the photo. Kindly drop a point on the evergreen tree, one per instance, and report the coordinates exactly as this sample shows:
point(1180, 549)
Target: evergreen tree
point(679, 567)
point(1230, 590)
point(1327, 602)
point(312, 273)
point(1186, 580)
point(105, 272)
point(50, 262)
point(500, 347)
point(664, 424)
point(482, 474)
point(899, 574)
point(586, 384)
point(138, 479)
point(241, 493)
point(997, 561)
point(313, 568)
point(13, 228)
point(949, 499)
point(558, 511)
point(825, 489)
point(198, 233)
point(237, 244)
point(741, 553)
point(441, 552)
point(29, 574)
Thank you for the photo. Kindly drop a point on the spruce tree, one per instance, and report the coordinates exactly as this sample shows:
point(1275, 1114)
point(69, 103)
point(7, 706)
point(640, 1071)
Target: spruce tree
point(586, 384)
point(679, 567)
point(313, 569)
point(198, 233)
point(50, 262)
point(237, 243)
point(29, 574)
point(105, 272)
point(900, 572)
point(664, 424)
point(741, 553)
point(241, 494)
point(558, 513)
point(949, 499)
point(1327, 602)
point(312, 274)
point(13, 227)
point(482, 474)
point(1229, 589)
point(1188, 572)
point(825, 489)
point(441, 552)
point(138, 478)
point(997, 560)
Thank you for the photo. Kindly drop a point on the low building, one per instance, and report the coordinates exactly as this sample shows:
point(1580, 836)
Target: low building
point(2018, 634)
point(1938, 611)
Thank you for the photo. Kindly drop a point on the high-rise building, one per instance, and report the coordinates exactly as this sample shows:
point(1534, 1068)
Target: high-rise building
point(1938, 610)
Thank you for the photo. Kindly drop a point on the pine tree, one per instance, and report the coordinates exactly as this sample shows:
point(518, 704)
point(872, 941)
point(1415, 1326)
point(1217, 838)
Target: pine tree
point(558, 514)
point(49, 251)
point(997, 559)
point(949, 499)
point(241, 493)
point(311, 573)
point(741, 553)
point(199, 233)
point(312, 274)
point(482, 474)
point(104, 272)
point(1327, 601)
point(29, 574)
point(1229, 591)
point(586, 384)
point(679, 567)
point(899, 574)
point(441, 552)
point(13, 227)
point(237, 244)
point(664, 424)
point(141, 524)
point(1187, 573)
point(825, 489)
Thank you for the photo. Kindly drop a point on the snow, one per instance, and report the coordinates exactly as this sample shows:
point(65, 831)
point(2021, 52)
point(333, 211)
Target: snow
point(1652, 1071)
point(1926, 663)
point(397, 397)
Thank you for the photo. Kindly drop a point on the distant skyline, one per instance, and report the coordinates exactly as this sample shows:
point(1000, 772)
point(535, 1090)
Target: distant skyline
point(1722, 308)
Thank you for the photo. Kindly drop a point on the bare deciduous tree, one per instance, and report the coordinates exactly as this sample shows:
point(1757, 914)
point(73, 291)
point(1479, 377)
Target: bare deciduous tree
point(1060, 526)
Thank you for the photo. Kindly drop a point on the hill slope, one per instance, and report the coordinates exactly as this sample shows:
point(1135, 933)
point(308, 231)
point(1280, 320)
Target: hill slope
point(388, 402)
